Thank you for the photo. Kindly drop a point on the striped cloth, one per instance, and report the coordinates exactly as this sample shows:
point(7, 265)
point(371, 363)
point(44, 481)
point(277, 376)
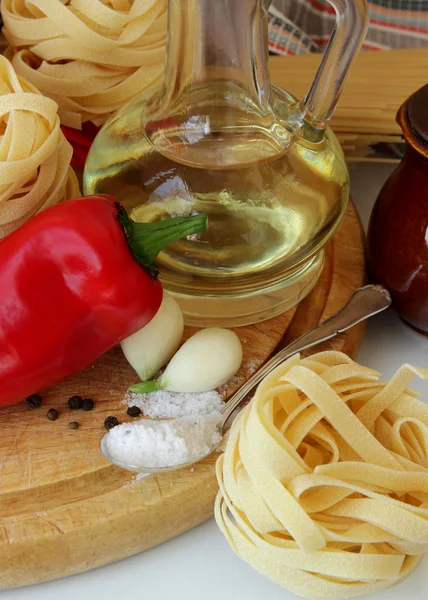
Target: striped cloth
point(300, 26)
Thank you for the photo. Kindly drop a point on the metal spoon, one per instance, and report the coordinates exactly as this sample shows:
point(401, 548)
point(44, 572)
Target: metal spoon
point(363, 303)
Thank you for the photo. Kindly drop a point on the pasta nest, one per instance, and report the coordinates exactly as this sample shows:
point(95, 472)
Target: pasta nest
point(35, 157)
point(91, 57)
point(324, 478)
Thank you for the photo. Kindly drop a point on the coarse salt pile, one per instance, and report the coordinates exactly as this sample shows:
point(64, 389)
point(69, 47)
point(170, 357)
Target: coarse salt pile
point(161, 444)
point(163, 404)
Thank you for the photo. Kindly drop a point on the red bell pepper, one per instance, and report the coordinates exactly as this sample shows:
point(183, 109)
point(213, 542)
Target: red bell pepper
point(81, 140)
point(75, 280)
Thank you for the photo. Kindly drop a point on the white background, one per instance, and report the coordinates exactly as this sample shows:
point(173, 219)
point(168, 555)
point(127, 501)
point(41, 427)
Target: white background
point(199, 564)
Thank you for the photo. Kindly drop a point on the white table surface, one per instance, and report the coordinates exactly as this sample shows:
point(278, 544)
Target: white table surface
point(199, 564)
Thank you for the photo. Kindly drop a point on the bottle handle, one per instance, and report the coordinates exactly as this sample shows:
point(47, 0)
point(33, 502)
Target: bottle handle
point(352, 20)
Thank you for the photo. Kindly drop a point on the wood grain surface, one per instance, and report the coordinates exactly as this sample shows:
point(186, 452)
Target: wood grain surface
point(64, 509)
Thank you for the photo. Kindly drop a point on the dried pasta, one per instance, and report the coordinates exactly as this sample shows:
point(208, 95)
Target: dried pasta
point(90, 57)
point(34, 154)
point(324, 478)
point(378, 84)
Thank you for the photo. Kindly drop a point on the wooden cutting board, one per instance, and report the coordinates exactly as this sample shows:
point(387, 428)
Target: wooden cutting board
point(64, 509)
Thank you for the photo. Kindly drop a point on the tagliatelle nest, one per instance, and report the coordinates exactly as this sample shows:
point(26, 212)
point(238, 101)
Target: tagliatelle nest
point(90, 56)
point(324, 479)
point(35, 157)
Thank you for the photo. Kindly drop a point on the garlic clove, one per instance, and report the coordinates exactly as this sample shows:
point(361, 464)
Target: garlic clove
point(150, 348)
point(204, 362)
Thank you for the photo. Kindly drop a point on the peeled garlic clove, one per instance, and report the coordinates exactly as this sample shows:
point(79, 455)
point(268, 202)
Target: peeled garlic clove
point(206, 361)
point(151, 347)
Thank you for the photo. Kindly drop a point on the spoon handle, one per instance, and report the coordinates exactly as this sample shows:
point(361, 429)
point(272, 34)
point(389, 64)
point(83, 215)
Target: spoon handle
point(363, 303)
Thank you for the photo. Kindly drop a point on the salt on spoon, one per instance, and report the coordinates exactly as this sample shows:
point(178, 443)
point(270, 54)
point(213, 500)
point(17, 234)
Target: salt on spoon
point(155, 445)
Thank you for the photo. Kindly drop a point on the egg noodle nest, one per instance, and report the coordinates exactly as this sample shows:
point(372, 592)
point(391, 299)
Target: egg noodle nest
point(324, 478)
point(34, 154)
point(90, 56)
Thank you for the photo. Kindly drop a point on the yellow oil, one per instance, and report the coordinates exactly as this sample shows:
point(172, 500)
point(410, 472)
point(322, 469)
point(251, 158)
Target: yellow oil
point(270, 209)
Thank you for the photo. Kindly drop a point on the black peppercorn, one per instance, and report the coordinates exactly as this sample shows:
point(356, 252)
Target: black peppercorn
point(34, 401)
point(75, 402)
point(110, 422)
point(133, 411)
point(73, 425)
point(87, 404)
point(52, 414)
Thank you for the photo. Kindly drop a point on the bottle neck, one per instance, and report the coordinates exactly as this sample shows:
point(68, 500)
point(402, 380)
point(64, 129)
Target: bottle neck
point(215, 109)
point(216, 49)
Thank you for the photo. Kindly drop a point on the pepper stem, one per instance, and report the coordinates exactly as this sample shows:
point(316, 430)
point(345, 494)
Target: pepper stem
point(146, 386)
point(146, 240)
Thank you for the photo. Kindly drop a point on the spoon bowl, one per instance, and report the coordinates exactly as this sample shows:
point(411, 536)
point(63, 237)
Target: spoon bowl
point(151, 470)
point(363, 303)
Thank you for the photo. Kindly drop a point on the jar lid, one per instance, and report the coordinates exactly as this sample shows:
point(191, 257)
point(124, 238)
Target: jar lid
point(417, 113)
